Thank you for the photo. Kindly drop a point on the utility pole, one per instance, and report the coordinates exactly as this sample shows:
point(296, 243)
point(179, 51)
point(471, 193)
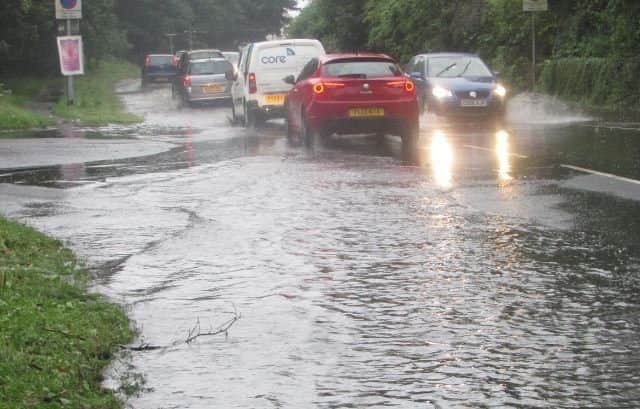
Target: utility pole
point(171, 37)
point(533, 51)
point(71, 96)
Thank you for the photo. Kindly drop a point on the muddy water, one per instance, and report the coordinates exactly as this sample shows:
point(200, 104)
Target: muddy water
point(469, 276)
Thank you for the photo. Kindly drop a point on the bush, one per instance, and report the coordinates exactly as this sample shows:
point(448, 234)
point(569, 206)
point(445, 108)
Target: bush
point(596, 82)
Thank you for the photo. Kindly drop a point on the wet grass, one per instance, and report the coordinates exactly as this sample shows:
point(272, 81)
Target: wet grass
point(55, 338)
point(13, 113)
point(96, 102)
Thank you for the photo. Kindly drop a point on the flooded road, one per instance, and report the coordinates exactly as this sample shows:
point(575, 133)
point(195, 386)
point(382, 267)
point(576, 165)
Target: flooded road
point(495, 267)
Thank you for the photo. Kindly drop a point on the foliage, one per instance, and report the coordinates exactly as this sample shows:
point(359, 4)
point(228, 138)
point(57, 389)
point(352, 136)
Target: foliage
point(55, 339)
point(96, 102)
point(596, 82)
point(218, 23)
point(13, 98)
point(498, 30)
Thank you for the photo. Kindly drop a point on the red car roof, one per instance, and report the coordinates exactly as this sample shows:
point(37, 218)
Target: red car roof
point(352, 56)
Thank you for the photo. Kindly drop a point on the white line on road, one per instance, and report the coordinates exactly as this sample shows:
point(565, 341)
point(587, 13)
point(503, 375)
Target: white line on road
point(607, 175)
point(482, 148)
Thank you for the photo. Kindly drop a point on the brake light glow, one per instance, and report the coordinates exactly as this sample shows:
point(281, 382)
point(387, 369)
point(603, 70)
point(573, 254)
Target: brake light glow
point(147, 61)
point(186, 81)
point(253, 84)
point(318, 88)
point(409, 86)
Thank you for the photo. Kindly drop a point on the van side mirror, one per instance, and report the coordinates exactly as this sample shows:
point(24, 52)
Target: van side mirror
point(496, 74)
point(290, 79)
point(230, 75)
point(417, 75)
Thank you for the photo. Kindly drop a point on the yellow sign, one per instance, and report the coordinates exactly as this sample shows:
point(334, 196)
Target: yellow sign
point(535, 5)
point(213, 88)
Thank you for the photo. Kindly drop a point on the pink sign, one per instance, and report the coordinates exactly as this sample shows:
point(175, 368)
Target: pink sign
point(71, 55)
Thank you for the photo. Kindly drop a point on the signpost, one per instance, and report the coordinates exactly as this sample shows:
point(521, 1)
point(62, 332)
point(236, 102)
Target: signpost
point(534, 6)
point(70, 47)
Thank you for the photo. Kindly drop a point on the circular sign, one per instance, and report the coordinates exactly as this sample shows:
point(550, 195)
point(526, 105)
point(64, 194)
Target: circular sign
point(69, 4)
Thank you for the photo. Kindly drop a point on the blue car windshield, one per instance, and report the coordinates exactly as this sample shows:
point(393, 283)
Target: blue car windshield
point(451, 67)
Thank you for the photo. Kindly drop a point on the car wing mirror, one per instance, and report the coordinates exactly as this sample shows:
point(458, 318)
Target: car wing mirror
point(290, 79)
point(230, 75)
point(417, 75)
point(496, 74)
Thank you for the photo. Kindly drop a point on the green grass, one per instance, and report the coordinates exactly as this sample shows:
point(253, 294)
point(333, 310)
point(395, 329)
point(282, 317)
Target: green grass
point(13, 114)
point(96, 102)
point(55, 338)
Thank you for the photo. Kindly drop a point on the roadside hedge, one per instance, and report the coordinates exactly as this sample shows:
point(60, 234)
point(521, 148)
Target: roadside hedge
point(595, 82)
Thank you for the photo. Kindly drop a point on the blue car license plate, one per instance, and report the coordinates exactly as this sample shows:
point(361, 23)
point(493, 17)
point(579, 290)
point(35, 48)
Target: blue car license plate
point(473, 103)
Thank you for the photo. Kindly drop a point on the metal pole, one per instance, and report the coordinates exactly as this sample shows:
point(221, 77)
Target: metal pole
point(533, 51)
point(70, 91)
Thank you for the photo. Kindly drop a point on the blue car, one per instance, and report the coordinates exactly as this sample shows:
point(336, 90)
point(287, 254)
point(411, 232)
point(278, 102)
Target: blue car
point(457, 84)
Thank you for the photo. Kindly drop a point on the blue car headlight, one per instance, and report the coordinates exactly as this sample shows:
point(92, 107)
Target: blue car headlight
point(440, 92)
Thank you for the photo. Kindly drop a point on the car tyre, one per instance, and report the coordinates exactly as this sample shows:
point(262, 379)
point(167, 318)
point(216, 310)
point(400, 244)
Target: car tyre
point(410, 135)
point(308, 135)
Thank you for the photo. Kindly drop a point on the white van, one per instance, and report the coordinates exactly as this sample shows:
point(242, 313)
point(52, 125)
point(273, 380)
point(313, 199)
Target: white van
point(258, 89)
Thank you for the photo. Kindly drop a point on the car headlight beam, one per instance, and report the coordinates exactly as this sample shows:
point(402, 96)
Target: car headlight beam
point(500, 91)
point(440, 92)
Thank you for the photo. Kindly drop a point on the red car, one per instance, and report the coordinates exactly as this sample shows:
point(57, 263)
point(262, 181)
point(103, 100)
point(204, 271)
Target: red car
point(352, 94)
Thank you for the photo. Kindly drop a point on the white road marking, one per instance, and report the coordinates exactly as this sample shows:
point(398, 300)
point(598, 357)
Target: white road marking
point(607, 175)
point(482, 148)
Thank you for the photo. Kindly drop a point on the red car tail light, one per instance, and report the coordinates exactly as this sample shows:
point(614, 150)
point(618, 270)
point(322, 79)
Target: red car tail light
point(253, 83)
point(318, 88)
point(186, 81)
point(409, 86)
point(147, 61)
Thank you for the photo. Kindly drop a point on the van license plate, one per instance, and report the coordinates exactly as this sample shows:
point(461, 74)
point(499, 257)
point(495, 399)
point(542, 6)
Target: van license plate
point(473, 103)
point(365, 112)
point(275, 99)
point(212, 89)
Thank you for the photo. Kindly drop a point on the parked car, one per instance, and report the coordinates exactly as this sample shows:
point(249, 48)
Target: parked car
point(457, 84)
point(258, 91)
point(204, 80)
point(352, 94)
point(158, 67)
point(232, 56)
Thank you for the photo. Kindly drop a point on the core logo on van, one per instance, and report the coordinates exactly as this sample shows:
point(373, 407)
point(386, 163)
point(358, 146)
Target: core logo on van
point(278, 59)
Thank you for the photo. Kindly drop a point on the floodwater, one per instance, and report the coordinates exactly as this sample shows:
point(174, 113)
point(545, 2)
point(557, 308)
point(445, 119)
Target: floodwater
point(484, 270)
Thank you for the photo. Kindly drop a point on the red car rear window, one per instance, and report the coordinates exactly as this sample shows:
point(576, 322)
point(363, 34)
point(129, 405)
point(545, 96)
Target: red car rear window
point(361, 69)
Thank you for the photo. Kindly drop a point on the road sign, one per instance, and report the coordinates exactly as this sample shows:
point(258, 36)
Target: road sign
point(68, 9)
point(535, 5)
point(71, 55)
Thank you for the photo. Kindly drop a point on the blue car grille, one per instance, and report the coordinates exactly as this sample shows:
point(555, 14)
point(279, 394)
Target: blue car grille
point(467, 94)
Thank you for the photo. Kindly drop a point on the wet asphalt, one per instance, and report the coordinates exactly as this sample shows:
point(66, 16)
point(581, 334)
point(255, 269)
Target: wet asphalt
point(496, 265)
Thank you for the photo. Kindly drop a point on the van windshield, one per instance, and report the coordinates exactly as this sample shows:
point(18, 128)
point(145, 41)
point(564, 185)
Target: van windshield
point(210, 67)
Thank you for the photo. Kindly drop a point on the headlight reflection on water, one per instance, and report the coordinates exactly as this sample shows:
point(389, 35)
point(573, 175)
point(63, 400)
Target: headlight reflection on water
point(504, 156)
point(442, 160)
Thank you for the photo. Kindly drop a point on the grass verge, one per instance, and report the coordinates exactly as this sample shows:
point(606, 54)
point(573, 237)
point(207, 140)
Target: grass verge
point(13, 114)
point(96, 102)
point(55, 338)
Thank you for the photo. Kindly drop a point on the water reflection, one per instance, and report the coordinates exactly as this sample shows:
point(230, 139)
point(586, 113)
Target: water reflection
point(504, 157)
point(442, 160)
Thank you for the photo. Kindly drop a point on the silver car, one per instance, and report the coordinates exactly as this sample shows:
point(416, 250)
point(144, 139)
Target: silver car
point(204, 80)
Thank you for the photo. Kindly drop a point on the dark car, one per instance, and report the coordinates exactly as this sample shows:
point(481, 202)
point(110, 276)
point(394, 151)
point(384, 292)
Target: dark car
point(158, 67)
point(457, 84)
point(204, 80)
